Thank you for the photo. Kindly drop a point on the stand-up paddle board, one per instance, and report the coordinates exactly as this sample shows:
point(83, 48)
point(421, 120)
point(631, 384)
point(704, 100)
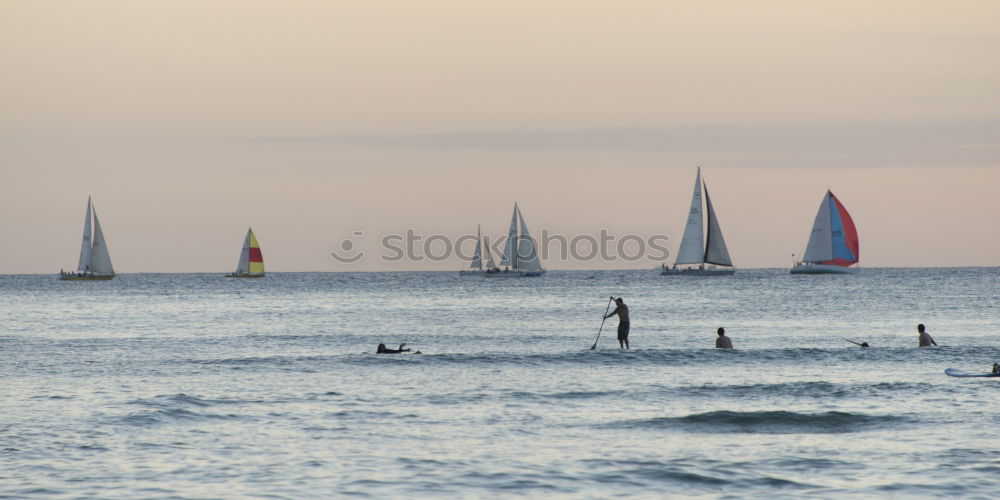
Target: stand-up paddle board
point(955, 372)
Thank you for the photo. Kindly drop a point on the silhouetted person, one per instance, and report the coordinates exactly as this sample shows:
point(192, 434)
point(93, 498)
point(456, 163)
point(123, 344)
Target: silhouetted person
point(382, 350)
point(723, 342)
point(623, 324)
point(925, 338)
point(996, 367)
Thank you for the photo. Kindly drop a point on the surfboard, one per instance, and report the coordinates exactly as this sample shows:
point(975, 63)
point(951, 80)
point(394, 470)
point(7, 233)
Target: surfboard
point(955, 372)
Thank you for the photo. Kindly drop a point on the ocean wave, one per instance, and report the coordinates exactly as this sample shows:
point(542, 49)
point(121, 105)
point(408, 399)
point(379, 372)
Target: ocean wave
point(769, 422)
point(175, 415)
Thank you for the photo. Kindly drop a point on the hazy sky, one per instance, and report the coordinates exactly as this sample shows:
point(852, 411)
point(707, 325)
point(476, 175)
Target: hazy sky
point(190, 120)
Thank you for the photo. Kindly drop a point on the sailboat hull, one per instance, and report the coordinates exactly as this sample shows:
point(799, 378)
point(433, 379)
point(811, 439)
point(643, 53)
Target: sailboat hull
point(245, 275)
point(823, 269)
point(698, 272)
point(471, 272)
point(515, 274)
point(87, 277)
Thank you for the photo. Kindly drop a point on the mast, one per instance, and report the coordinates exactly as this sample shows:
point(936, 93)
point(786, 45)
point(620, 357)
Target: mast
point(85, 247)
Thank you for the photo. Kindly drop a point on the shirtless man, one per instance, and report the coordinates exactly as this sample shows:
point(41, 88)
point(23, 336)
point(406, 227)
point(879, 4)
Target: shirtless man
point(925, 338)
point(623, 324)
point(723, 342)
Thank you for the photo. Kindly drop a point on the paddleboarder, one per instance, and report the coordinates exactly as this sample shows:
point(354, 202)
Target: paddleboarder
point(723, 342)
point(925, 338)
point(623, 324)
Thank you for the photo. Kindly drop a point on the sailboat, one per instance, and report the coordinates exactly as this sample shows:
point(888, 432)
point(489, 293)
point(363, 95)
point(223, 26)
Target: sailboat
point(476, 267)
point(95, 261)
point(699, 246)
point(833, 244)
point(251, 263)
point(520, 257)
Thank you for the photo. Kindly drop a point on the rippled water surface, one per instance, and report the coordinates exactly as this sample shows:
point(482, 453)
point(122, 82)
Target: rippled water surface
point(196, 386)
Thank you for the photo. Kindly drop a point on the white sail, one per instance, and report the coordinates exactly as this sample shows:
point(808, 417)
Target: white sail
point(527, 254)
point(715, 245)
point(490, 263)
point(820, 246)
point(243, 266)
point(691, 248)
point(100, 259)
point(85, 250)
point(510, 249)
point(477, 259)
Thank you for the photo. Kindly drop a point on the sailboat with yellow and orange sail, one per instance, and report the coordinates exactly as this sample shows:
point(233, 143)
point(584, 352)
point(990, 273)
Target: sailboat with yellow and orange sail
point(251, 263)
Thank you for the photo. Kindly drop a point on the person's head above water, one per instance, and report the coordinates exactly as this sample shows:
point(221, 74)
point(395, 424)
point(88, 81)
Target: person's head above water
point(381, 349)
point(721, 331)
point(920, 328)
point(619, 301)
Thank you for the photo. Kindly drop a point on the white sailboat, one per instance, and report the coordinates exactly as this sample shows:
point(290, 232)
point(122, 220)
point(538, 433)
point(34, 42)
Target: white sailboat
point(704, 249)
point(520, 257)
point(833, 243)
point(476, 267)
point(95, 261)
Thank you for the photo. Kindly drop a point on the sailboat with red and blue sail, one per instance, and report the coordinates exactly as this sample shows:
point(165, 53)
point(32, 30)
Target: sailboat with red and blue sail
point(833, 244)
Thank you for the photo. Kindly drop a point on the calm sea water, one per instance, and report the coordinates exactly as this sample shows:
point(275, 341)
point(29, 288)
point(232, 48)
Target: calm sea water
point(196, 386)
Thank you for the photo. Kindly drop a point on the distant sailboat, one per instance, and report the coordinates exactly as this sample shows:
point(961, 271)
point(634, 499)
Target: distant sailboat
point(476, 267)
point(698, 246)
point(251, 263)
point(520, 257)
point(95, 261)
point(833, 244)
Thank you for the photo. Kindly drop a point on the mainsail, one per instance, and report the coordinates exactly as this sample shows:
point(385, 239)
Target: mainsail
point(691, 250)
point(834, 239)
point(477, 259)
point(510, 248)
point(85, 249)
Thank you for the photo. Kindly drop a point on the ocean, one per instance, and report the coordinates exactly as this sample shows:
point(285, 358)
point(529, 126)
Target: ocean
point(197, 386)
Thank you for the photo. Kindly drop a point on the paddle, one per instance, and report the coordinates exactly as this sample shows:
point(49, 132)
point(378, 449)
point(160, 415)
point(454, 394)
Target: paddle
point(855, 343)
point(603, 319)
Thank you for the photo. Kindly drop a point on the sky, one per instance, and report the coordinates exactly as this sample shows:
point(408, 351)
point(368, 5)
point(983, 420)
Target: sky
point(189, 121)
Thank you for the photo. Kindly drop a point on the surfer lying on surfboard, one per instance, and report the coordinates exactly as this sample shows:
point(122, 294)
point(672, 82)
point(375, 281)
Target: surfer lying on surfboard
point(383, 350)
